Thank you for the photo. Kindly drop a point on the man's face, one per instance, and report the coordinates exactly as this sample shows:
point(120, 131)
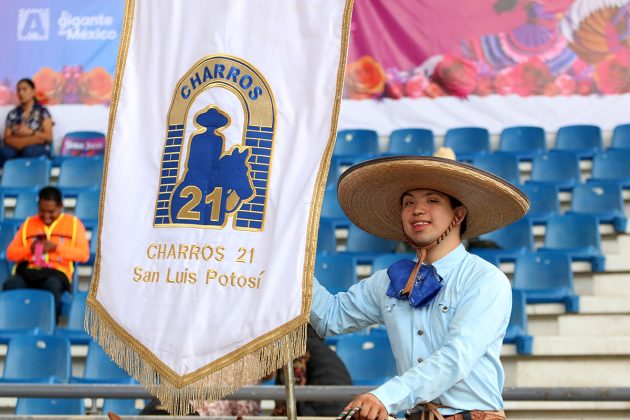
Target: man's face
point(49, 211)
point(425, 215)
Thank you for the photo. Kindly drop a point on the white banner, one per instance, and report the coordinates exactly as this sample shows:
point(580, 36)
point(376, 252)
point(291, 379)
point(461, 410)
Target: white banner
point(221, 128)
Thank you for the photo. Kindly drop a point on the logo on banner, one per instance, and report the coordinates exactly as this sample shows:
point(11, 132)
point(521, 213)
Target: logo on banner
point(203, 183)
point(33, 24)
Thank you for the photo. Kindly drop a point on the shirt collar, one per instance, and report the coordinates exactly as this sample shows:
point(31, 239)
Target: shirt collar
point(451, 260)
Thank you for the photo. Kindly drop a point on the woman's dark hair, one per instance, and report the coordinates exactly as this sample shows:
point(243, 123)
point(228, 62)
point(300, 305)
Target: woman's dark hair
point(454, 204)
point(28, 82)
point(51, 193)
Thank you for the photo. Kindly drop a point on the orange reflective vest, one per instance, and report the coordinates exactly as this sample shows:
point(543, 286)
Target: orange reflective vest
point(67, 232)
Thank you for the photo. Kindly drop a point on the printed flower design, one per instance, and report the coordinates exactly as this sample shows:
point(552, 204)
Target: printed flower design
point(6, 95)
point(531, 77)
point(613, 75)
point(365, 78)
point(49, 86)
point(456, 75)
point(416, 84)
point(95, 86)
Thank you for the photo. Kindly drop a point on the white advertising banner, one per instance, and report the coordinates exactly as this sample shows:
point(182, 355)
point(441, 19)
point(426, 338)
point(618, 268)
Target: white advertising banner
point(221, 128)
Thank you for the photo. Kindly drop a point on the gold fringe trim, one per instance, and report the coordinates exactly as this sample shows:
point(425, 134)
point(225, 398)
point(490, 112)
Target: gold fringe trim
point(182, 400)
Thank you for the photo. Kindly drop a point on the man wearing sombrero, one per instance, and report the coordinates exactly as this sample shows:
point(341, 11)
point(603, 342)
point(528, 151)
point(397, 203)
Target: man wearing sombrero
point(445, 314)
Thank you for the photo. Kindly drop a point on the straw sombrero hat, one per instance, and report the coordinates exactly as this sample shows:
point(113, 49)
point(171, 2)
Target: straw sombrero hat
point(370, 193)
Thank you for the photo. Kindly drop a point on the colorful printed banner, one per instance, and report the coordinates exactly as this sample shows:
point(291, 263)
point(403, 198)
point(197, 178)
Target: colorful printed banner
point(68, 47)
point(423, 48)
point(215, 172)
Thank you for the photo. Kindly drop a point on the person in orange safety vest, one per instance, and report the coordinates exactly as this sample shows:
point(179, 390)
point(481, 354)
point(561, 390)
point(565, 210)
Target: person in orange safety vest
point(46, 247)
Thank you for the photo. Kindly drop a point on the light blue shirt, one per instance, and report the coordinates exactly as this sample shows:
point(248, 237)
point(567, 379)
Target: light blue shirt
point(455, 359)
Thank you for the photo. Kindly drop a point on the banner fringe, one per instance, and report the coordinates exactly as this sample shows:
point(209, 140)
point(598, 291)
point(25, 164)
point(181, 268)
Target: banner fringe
point(180, 401)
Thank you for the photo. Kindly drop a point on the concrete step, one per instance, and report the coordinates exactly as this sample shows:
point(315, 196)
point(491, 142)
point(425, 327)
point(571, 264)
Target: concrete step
point(579, 346)
point(551, 319)
point(567, 371)
point(605, 305)
point(567, 410)
point(602, 284)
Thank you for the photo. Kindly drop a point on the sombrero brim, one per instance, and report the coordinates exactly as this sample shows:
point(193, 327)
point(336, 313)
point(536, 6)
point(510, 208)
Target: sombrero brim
point(370, 193)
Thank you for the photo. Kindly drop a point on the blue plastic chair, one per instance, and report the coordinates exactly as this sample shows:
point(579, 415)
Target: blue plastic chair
point(80, 174)
point(383, 261)
point(37, 359)
point(561, 169)
point(326, 237)
point(7, 232)
point(546, 278)
point(411, 141)
point(74, 330)
point(331, 209)
point(101, 369)
point(87, 207)
point(523, 142)
point(120, 407)
point(25, 174)
point(583, 140)
point(368, 358)
point(26, 312)
point(467, 142)
point(544, 202)
point(500, 164)
point(356, 143)
point(621, 137)
point(517, 330)
point(336, 272)
point(5, 271)
point(365, 247)
point(602, 200)
point(576, 235)
point(612, 166)
point(513, 240)
point(26, 205)
point(78, 137)
point(50, 406)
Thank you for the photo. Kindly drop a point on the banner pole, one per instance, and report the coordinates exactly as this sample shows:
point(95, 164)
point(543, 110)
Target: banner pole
point(289, 390)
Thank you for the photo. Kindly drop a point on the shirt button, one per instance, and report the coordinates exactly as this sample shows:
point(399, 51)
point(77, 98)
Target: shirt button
point(420, 332)
point(444, 308)
point(420, 359)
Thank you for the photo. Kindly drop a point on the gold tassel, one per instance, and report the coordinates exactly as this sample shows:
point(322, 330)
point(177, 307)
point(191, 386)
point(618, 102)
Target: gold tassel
point(181, 400)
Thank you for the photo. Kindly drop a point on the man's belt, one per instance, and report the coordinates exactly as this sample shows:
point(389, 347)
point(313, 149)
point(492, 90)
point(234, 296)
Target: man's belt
point(429, 411)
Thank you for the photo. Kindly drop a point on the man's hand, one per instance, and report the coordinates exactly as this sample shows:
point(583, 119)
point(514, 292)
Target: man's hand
point(49, 246)
point(371, 407)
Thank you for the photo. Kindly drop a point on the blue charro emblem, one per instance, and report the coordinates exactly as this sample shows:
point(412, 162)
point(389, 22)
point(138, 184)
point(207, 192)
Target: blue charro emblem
point(211, 184)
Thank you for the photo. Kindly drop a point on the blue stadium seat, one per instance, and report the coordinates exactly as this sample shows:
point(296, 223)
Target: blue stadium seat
point(544, 202)
point(326, 237)
point(467, 142)
point(24, 312)
point(621, 137)
point(77, 138)
point(25, 174)
point(583, 140)
point(576, 235)
point(336, 272)
point(383, 261)
point(75, 331)
point(513, 240)
point(87, 207)
point(356, 143)
point(500, 164)
point(330, 206)
point(612, 166)
point(26, 205)
point(120, 407)
point(365, 247)
point(561, 169)
point(546, 278)
point(101, 369)
point(523, 142)
point(369, 358)
point(517, 330)
point(50, 406)
point(411, 141)
point(5, 271)
point(602, 200)
point(37, 359)
point(7, 232)
point(79, 174)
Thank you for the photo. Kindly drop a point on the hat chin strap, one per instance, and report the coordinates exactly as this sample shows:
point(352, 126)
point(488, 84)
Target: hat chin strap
point(421, 251)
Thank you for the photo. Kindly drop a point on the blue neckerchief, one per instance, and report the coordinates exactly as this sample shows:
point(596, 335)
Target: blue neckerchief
point(428, 282)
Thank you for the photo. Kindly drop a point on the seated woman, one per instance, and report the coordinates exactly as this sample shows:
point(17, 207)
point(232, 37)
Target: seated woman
point(28, 130)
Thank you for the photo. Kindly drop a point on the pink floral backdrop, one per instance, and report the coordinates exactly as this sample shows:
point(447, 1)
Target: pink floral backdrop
point(424, 48)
